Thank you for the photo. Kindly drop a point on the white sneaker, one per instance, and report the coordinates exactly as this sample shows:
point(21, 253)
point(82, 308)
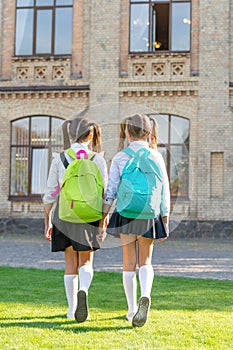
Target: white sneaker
point(70, 314)
point(140, 318)
point(81, 312)
point(130, 316)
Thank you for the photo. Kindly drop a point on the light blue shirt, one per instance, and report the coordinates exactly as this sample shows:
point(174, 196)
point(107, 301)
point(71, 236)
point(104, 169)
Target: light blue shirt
point(117, 165)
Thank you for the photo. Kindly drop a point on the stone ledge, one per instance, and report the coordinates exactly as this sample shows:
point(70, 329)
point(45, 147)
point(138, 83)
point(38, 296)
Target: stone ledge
point(202, 229)
point(11, 225)
point(185, 229)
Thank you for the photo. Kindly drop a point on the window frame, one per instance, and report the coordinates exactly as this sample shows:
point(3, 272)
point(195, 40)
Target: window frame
point(29, 146)
point(35, 9)
point(168, 146)
point(150, 3)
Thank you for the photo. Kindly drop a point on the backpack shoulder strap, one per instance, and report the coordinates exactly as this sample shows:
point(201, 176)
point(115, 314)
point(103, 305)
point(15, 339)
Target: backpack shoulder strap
point(91, 155)
point(129, 151)
point(143, 152)
point(64, 160)
point(71, 153)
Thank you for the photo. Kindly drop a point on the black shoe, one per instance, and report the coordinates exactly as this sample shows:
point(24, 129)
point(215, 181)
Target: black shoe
point(141, 315)
point(81, 312)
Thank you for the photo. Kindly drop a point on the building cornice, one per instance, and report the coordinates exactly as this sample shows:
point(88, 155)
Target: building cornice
point(44, 88)
point(44, 91)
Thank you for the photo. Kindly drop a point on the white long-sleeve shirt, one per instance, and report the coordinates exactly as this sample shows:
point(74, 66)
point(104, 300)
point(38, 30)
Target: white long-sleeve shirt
point(117, 165)
point(57, 171)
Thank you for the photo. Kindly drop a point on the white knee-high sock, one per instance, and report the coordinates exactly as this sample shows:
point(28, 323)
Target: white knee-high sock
point(85, 277)
point(130, 287)
point(146, 277)
point(71, 288)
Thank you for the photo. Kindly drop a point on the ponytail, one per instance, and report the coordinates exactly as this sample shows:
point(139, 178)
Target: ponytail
point(66, 138)
point(78, 129)
point(153, 138)
point(122, 135)
point(96, 140)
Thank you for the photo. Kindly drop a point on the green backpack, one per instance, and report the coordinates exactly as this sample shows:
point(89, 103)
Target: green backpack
point(82, 188)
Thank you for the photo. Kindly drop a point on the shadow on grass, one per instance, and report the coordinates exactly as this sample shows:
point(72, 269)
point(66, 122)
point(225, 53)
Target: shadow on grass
point(68, 326)
point(45, 287)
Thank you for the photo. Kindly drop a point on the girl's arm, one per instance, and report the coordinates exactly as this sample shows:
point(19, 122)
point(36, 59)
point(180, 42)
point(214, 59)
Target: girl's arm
point(50, 197)
point(165, 197)
point(47, 221)
point(111, 193)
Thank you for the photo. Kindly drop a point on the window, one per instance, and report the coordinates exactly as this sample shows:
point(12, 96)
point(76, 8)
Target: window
point(43, 27)
point(174, 147)
point(33, 139)
point(159, 25)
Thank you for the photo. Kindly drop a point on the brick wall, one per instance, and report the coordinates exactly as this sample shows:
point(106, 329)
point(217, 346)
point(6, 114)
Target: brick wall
point(122, 84)
point(214, 116)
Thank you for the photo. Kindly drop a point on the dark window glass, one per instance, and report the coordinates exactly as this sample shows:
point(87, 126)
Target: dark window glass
point(174, 147)
point(33, 139)
point(43, 27)
point(159, 25)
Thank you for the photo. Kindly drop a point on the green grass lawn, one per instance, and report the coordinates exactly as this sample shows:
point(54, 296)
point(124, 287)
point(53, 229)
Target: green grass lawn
point(185, 314)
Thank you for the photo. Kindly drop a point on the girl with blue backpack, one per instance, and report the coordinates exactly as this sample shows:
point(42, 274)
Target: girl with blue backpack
point(138, 181)
point(69, 232)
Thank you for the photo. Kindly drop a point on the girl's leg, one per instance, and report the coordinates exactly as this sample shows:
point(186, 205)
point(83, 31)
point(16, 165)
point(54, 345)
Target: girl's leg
point(71, 280)
point(146, 273)
point(129, 273)
point(85, 269)
point(146, 276)
point(85, 278)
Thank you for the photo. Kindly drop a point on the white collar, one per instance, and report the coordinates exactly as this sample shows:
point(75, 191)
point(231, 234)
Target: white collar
point(139, 142)
point(77, 145)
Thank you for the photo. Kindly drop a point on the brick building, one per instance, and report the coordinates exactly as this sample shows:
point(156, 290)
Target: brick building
point(171, 59)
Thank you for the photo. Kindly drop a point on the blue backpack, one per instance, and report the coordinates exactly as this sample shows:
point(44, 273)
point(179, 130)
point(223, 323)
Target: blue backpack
point(140, 188)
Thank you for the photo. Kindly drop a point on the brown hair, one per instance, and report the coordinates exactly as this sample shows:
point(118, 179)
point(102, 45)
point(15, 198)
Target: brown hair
point(122, 135)
point(139, 126)
point(153, 138)
point(78, 129)
point(97, 138)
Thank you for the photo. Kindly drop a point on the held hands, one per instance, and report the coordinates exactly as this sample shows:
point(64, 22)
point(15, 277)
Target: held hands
point(102, 229)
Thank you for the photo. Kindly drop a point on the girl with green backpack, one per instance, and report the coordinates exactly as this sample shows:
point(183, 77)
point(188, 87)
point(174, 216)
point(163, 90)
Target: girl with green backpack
point(138, 181)
point(68, 231)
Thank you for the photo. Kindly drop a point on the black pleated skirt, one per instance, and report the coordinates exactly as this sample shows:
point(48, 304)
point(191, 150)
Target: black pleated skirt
point(152, 228)
point(82, 236)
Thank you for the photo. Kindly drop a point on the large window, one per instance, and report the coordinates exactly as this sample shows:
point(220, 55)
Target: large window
point(43, 27)
point(33, 139)
point(159, 25)
point(174, 146)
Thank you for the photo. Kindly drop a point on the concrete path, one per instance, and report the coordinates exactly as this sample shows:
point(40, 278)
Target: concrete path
point(183, 258)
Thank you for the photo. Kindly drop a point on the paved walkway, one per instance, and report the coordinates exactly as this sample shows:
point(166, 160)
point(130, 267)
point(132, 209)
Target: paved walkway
point(184, 258)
